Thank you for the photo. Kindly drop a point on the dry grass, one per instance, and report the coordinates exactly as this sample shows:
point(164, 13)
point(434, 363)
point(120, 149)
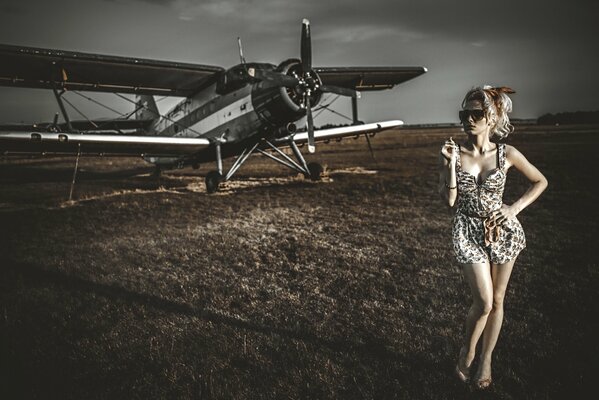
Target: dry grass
point(284, 288)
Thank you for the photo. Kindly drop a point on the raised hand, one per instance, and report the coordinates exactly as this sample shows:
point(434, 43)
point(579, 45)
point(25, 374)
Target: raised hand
point(450, 151)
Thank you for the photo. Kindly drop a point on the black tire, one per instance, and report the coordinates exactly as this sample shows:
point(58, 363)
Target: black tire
point(316, 171)
point(213, 179)
point(157, 172)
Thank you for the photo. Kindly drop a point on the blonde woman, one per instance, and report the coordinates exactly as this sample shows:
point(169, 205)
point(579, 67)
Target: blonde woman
point(487, 237)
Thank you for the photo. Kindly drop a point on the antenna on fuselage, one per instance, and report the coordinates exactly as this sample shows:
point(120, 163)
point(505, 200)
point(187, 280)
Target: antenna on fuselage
point(241, 57)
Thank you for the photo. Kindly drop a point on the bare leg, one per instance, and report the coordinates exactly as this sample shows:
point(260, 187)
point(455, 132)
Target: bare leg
point(500, 274)
point(478, 277)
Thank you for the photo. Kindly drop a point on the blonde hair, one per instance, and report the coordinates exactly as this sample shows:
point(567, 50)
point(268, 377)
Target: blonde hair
point(497, 104)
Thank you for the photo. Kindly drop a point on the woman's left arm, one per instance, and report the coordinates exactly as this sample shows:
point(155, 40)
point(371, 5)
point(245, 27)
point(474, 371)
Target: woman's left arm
point(536, 178)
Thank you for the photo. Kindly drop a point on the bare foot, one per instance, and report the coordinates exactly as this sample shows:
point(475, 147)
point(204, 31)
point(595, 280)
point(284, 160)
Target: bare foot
point(462, 369)
point(483, 376)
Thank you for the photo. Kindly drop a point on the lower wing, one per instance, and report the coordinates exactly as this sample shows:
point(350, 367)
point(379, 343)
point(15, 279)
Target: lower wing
point(92, 144)
point(130, 145)
point(335, 133)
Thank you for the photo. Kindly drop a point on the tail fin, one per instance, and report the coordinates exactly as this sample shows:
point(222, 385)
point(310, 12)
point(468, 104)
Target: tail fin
point(146, 109)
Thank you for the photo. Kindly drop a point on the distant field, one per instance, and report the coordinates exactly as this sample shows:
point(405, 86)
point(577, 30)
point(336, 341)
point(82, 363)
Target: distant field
point(277, 287)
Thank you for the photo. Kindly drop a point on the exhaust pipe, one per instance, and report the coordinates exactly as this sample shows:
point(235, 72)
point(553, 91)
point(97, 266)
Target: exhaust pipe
point(286, 130)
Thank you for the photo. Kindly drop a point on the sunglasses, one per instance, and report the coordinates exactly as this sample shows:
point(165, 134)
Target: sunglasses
point(476, 115)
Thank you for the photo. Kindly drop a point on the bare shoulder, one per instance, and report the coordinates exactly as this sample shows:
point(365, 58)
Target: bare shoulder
point(513, 155)
point(516, 159)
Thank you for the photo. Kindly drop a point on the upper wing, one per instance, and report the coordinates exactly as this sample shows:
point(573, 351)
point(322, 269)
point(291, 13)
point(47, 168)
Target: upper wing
point(44, 68)
point(333, 133)
point(367, 78)
point(88, 144)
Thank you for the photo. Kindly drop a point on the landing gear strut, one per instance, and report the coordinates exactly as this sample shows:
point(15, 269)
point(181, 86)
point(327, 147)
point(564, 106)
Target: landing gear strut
point(214, 178)
point(312, 171)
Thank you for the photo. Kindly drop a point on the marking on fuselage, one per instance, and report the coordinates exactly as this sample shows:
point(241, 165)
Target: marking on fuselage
point(225, 114)
point(218, 118)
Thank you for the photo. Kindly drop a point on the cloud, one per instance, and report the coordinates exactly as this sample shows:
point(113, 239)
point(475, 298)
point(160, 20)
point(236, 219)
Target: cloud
point(552, 20)
point(365, 33)
point(190, 10)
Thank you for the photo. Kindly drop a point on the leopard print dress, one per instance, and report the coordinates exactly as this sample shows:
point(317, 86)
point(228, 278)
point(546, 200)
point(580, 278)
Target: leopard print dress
point(475, 203)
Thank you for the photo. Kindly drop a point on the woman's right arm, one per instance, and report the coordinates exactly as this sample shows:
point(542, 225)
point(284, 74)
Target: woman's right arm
point(448, 186)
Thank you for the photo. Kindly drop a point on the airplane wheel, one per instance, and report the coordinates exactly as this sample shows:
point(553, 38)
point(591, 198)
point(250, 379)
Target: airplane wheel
point(213, 179)
point(316, 171)
point(157, 172)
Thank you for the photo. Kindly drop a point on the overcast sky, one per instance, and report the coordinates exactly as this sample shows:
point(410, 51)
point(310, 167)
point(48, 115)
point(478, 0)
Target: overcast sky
point(545, 50)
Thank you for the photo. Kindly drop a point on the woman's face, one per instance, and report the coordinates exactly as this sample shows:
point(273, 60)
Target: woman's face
point(473, 118)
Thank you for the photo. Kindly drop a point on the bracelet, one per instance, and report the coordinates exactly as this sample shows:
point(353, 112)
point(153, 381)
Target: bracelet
point(451, 187)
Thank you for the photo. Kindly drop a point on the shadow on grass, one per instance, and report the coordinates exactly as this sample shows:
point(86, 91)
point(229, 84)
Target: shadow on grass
point(28, 174)
point(372, 347)
point(379, 371)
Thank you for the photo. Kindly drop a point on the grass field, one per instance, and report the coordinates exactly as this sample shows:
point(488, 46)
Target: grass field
point(279, 288)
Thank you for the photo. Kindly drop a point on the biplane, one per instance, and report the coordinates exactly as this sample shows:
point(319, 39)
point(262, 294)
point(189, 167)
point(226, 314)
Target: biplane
point(246, 109)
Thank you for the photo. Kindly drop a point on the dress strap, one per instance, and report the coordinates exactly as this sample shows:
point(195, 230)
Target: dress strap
point(501, 155)
point(458, 163)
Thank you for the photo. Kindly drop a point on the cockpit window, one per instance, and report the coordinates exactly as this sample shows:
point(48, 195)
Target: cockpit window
point(232, 79)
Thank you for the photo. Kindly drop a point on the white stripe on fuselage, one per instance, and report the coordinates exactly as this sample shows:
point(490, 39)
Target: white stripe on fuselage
point(220, 117)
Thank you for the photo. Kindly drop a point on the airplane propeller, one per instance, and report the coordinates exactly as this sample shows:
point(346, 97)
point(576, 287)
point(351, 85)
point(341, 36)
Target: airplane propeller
point(304, 81)
point(309, 122)
point(311, 82)
point(306, 46)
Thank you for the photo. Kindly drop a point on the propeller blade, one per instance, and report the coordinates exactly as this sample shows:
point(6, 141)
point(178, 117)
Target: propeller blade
point(306, 46)
point(274, 78)
point(340, 91)
point(309, 122)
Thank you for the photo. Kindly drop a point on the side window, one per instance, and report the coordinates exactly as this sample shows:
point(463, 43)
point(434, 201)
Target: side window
point(221, 82)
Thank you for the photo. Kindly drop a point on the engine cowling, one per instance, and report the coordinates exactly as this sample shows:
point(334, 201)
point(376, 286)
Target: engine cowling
point(294, 97)
point(279, 105)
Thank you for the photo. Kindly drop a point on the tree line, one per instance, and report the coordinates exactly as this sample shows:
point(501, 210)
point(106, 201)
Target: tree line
point(568, 118)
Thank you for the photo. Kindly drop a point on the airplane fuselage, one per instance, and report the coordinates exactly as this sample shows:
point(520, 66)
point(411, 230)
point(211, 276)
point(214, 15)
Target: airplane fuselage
point(235, 110)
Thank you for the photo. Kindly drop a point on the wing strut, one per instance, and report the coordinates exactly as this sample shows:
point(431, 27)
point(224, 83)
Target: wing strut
point(65, 115)
point(75, 172)
point(215, 178)
point(354, 111)
point(62, 109)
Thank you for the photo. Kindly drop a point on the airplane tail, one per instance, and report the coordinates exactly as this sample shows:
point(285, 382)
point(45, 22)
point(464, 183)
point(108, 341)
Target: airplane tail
point(146, 110)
